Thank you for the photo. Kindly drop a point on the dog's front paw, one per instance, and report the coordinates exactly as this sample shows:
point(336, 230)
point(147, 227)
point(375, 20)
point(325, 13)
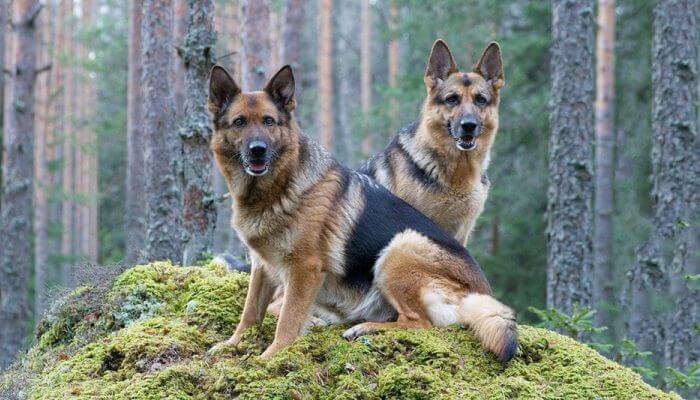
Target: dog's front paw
point(270, 351)
point(355, 332)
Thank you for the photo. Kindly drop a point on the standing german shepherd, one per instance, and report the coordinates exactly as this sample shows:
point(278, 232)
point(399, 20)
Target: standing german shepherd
point(333, 238)
point(438, 164)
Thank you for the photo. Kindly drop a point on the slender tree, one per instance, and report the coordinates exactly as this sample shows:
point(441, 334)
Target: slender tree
point(292, 37)
point(16, 210)
point(68, 157)
point(257, 50)
point(41, 182)
point(275, 39)
point(675, 180)
point(199, 216)
point(366, 74)
point(162, 145)
point(393, 56)
point(604, 158)
point(325, 73)
point(570, 194)
point(135, 177)
point(3, 29)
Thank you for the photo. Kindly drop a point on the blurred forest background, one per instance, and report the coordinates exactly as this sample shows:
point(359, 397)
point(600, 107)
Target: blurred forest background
point(98, 94)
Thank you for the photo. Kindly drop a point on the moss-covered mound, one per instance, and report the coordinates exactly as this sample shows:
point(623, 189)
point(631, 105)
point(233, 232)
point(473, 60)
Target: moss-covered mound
point(147, 335)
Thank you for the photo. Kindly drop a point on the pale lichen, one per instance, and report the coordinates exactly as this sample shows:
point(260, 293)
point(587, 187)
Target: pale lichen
point(138, 351)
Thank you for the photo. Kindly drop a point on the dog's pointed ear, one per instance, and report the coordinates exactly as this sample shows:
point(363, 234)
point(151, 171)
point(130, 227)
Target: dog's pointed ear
point(490, 65)
point(281, 87)
point(222, 89)
point(440, 64)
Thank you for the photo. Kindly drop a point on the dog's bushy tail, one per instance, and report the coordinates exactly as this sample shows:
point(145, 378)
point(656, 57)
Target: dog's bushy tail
point(492, 322)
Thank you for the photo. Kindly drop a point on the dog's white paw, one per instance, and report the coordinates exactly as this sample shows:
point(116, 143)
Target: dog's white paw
point(354, 332)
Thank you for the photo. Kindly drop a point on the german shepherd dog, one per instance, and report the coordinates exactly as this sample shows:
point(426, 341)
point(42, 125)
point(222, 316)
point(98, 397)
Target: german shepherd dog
point(337, 242)
point(438, 164)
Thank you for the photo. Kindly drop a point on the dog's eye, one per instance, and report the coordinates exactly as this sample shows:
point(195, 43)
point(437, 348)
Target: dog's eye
point(480, 100)
point(239, 122)
point(452, 99)
point(268, 121)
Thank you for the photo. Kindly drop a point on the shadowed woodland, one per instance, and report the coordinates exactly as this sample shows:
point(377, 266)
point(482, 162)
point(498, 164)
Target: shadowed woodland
point(591, 225)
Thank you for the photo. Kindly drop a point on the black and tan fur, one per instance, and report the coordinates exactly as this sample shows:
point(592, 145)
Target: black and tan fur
point(428, 164)
point(340, 244)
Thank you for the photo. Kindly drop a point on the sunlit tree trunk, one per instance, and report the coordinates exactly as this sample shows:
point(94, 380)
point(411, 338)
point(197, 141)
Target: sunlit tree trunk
point(42, 123)
point(605, 156)
point(162, 142)
point(199, 217)
point(255, 37)
point(135, 174)
point(325, 73)
point(16, 210)
point(570, 194)
point(394, 57)
point(68, 160)
point(366, 75)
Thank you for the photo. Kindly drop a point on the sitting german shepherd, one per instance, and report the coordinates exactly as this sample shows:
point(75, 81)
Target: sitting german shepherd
point(332, 237)
point(438, 164)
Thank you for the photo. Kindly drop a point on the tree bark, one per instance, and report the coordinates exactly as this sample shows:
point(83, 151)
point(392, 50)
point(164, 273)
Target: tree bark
point(394, 58)
point(135, 177)
point(199, 216)
point(257, 51)
point(162, 145)
point(325, 73)
point(570, 194)
point(292, 37)
point(603, 293)
point(16, 219)
point(366, 75)
point(275, 40)
point(676, 170)
point(180, 30)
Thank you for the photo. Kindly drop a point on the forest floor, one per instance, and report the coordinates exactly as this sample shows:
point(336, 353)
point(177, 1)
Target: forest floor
point(144, 334)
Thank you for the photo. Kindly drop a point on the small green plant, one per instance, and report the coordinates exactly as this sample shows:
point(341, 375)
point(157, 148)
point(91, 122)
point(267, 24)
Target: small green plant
point(640, 361)
point(577, 325)
point(679, 380)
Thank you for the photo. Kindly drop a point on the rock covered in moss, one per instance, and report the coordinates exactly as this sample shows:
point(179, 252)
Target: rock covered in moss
point(148, 339)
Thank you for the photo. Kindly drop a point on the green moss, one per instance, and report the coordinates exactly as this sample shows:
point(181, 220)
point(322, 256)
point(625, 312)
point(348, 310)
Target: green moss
point(159, 320)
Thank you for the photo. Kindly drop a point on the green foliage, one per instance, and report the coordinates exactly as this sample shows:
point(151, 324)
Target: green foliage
point(640, 361)
point(577, 325)
point(164, 354)
point(690, 380)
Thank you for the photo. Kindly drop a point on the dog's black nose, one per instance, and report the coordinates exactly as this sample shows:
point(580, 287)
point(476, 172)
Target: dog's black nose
point(257, 148)
point(469, 124)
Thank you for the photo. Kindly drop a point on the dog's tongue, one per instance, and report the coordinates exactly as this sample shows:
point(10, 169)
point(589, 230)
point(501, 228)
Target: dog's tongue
point(257, 165)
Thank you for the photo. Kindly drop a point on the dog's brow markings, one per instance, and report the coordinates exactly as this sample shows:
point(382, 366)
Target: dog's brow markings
point(251, 101)
point(465, 80)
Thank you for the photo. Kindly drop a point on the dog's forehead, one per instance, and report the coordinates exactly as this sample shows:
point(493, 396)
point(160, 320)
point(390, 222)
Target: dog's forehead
point(252, 104)
point(468, 82)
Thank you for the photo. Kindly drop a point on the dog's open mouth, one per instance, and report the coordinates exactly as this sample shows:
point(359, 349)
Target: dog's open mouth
point(256, 167)
point(466, 143)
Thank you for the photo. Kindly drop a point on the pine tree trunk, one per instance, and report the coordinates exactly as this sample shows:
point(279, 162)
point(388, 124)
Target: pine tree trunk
point(3, 30)
point(135, 177)
point(199, 216)
point(257, 51)
point(68, 160)
point(366, 75)
point(570, 194)
point(275, 40)
point(41, 182)
point(162, 143)
point(16, 219)
point(325, 73)
point(676, 170)
point(603, 291)
point(292, 38)
point(394, 59)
